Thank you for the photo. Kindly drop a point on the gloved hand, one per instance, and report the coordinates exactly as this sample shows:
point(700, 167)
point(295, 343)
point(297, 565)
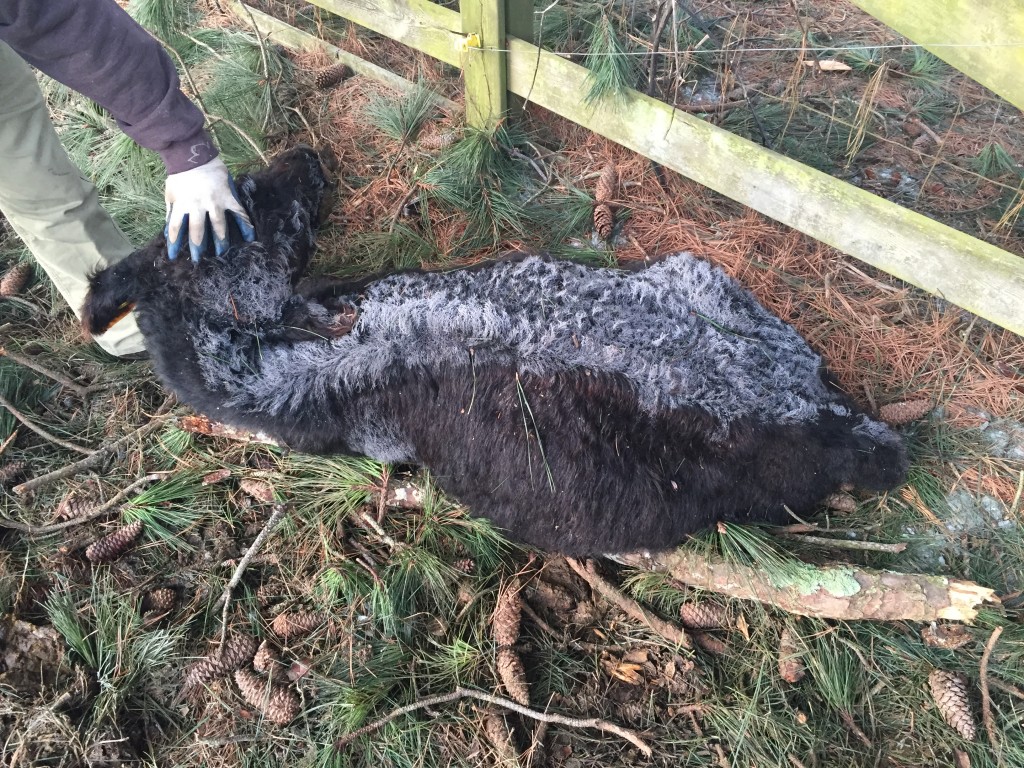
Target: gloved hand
point(195, 196)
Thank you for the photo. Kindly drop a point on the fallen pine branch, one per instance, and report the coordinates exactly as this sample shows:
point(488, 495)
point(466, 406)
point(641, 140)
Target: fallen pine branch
point(826, 592)
point(48, 436)
point(200, 425)
point(99, 455)
point(824, 541)
point(79, 389)
point(463, 693)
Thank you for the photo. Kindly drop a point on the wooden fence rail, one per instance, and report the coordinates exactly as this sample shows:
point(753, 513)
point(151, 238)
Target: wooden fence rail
point(964, 270)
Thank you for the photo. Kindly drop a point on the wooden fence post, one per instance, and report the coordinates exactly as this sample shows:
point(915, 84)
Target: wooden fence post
point(483, 24)
point(518, 24)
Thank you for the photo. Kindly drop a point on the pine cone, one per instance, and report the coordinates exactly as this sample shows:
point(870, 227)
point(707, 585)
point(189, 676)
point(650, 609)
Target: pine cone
point(607, 185)
point(841, 502)
point(791, 665)
point(331, 76)
point(12, 471)
point(16, 279)
point(513, 675)
point(75, 504)
point(904, 412)
point(260, 490)
point(159, 601)
point(297, 623)
point(713, 645)
point(278, 703)
point(949, 689)
point(507, 613)
point(604, 221)
point(705, 615)
point(441, 140)
point(236, 652)
point(498, 735)
point(113, 546)
point(266, 659)
point(465, 565)
point(948, 636)
point(270, 593)
point(217, 476)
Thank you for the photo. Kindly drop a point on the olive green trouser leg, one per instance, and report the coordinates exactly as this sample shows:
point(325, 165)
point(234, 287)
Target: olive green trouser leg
point(47, 202)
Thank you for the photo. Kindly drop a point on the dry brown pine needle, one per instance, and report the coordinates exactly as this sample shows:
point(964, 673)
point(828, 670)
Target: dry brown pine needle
point(236, 652)
point(297, 623)
point(159, 601)
point(513, 676)
point(507, 613)
point(116, 544)
point(12, 471)
point(260, 490)
point(905, 412)
point(791, 665)
point(703, 615)
point(952, 697)
point(266, 658)
point(278, 703)
point(331, 76)
point(16, 279)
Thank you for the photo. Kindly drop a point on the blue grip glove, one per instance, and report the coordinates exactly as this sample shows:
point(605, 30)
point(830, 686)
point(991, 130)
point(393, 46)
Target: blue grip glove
point(198, 201)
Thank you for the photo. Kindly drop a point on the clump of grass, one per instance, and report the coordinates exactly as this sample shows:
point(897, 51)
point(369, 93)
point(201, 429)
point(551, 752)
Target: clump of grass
point(612, 70)
point(402, 116)
point(994, 161)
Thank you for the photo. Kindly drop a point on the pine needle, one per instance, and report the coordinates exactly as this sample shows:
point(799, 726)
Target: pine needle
point(612, 70)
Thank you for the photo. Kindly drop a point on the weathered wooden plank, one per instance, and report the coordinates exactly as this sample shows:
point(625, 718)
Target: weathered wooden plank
point(284, 34)
point(964, 270)
point(483, 70)
point(419, 24)
point(984, 39)
point(519, 24)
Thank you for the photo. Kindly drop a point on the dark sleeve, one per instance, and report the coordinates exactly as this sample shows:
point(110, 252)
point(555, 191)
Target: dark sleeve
point(98, 50)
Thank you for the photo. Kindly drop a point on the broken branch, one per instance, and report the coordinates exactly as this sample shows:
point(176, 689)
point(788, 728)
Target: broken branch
point(827, 592)
point(48, 436)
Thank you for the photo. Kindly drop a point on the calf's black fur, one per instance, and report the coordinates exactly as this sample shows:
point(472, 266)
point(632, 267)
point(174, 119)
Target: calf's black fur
point(583, 410)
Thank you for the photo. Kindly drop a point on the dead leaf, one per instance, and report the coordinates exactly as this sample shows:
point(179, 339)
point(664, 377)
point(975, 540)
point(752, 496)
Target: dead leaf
point(217, 476)
point(260, 490)
point(828, 65)
point(741, 625)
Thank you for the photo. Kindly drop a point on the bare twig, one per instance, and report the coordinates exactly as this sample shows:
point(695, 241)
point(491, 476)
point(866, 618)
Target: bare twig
point(10, 439)
point(60, 378)
point(372, 524)
point(48, 436)
point(872, 546)
point(463, 693)
point(225, 597)
point(848, 721)
point(38, 482)
point(37, 530)
point(986, 701)
point(630, 607)
point(718, 106)
point(1009, 688)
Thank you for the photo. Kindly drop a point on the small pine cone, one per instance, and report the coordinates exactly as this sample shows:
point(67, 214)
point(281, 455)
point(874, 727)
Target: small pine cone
point(791, 665)
point(841, 502)
point(331, 76)
point(113, 546)
point(441, 140)
point(948, 636)
point(270, 593)
point(507, 614)
point(296, 624)
point(75, 504)
point(706, 615)
point(513, 675)
point(266, 659)
point(159, 601)
point(607, 184)
point(260, 490)
point(922, 143)
point(500, 738)
point(236, 652)
point(466, 565)
point(713, 645)
point(279, 703)
point(949, 689)
point(604, 221)
point(16, 279)
point(904, 412)
point(12, 471)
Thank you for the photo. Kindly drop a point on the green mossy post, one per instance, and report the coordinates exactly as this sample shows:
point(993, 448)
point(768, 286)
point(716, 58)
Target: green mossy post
point(984, 39)
point(483, 25)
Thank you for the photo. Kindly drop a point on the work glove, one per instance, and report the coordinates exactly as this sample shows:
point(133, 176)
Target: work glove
point(196, 198)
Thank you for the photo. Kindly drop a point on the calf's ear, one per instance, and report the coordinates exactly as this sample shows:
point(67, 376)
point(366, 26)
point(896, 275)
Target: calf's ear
point(113, 292)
